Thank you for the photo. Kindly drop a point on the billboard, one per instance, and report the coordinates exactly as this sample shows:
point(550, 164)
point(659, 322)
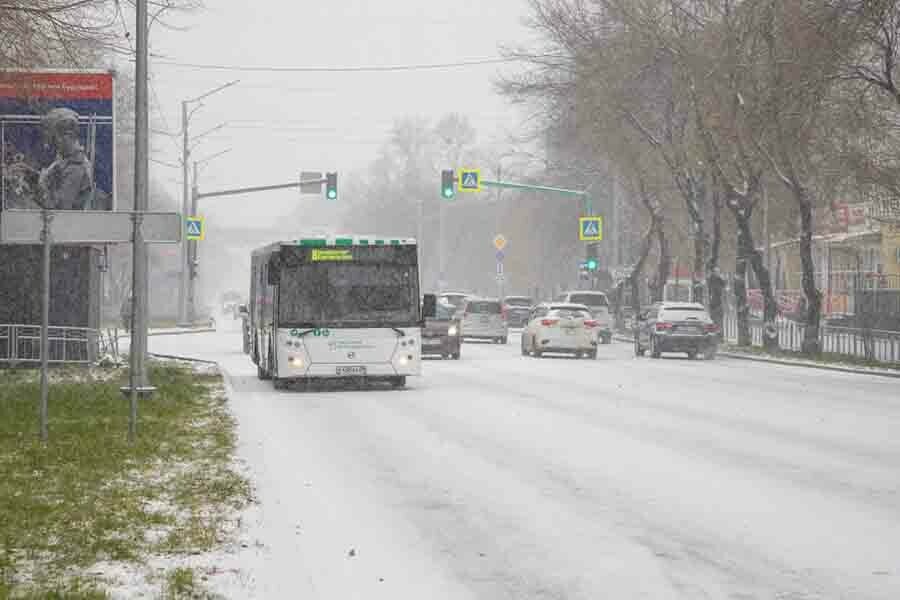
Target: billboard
point(57, 139)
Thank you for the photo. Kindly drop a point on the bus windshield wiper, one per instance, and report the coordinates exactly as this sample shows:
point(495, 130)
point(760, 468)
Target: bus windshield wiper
point(312, 327)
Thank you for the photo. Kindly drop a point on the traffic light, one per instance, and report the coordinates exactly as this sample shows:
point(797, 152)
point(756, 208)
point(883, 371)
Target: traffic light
point(331, 186)
point(448, 184)
point(591, 264)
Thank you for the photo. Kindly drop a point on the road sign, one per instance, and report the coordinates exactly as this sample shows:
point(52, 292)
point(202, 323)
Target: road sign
point(590, 229)
point(21, 226)
point(314, 178)
point(470, 180)
point(500, 242)
point(194, 229)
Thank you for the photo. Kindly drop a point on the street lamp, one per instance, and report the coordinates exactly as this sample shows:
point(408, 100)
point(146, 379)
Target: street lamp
point(183, 316)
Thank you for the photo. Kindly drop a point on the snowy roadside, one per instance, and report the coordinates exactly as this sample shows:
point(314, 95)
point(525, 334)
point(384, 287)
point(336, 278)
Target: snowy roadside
point(105, 519)
point(756, 355)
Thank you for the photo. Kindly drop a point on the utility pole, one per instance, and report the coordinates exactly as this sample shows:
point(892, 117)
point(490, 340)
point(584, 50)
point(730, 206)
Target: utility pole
point(138, 350)
point(185, 207)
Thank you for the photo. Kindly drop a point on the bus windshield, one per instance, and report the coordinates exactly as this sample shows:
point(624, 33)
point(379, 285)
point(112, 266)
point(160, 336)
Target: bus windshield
point(361, 295)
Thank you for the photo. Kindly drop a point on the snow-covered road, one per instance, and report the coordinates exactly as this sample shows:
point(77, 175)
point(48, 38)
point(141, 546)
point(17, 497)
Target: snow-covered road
point(501, 476)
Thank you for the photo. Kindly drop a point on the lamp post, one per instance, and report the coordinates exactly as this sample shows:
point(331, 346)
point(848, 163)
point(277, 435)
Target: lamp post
point(183, 316)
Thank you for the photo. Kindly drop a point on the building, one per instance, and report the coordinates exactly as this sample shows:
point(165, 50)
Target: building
point(856, 258)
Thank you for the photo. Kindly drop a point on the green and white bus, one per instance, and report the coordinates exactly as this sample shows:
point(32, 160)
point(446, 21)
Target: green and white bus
point(337, 307)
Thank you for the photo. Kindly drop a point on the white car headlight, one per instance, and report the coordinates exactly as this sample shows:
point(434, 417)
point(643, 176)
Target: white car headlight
point(452, 330)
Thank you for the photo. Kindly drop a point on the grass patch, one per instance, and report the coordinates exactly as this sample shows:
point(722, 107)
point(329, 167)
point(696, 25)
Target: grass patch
point(825, 358)
point(88, 496)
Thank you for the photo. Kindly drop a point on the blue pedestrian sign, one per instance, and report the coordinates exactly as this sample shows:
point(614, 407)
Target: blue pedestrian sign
point(590, 229)
point(194, 229)
point(470, 180)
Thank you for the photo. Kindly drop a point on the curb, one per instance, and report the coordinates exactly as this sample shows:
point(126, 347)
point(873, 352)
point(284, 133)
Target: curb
point(791, 363)
point(185, 332)
point(182, 358)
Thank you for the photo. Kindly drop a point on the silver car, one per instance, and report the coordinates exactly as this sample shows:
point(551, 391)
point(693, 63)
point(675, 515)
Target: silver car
point(483, 319)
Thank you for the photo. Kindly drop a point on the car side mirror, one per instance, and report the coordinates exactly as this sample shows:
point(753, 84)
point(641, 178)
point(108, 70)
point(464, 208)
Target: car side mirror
point(429, 306)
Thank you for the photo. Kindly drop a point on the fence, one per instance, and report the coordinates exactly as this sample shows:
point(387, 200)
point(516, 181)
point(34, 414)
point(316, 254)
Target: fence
point(873, 344)
point(71, 345)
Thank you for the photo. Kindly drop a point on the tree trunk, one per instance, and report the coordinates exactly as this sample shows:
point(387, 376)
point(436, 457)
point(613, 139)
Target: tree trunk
point(698, 289)
point(811, 343)
point(665, 262)
point(747, 250)
point(714, 281)
point(742, 310)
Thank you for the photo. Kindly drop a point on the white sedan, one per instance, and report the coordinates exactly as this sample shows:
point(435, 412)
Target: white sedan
point(560, 328)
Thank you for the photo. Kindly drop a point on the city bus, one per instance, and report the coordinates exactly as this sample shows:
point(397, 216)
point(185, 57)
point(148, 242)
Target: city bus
point(337, 308)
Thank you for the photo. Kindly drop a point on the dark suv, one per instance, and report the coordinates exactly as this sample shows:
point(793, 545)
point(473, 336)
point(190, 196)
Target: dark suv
point(676, 327)
point(440, 336)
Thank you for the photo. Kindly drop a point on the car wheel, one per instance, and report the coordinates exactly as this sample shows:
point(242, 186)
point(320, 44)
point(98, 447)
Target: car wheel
point(654, 347)
point(638, 349)
point(505, 340)
point(537, 353)
point(593, 354)
point(456, 356)
point(710, 354)
point(692, 355)
point(522, 345)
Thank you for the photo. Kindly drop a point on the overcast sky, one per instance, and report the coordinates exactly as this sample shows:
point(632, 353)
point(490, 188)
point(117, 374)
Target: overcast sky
point(280, 123)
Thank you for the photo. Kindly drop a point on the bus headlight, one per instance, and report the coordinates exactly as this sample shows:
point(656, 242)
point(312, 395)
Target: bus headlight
point(453, 330)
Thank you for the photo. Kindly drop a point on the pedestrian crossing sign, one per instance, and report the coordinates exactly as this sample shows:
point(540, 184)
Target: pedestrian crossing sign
point(470, 180)
point(590, 229)
point(194, 229)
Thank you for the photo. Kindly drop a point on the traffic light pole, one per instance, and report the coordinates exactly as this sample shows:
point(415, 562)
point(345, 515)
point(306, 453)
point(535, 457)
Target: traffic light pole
point(583, 194)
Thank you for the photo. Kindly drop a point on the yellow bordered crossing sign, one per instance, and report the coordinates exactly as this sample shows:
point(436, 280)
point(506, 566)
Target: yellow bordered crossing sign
point(194, 229)
point(590, 229)
point(470, 180)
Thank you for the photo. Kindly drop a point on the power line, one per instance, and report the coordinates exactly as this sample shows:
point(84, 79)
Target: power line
point(353, 69)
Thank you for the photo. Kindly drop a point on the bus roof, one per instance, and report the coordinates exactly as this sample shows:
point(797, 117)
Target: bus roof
point(313, 241)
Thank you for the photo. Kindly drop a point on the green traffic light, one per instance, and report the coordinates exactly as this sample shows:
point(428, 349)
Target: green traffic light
point(592, 264)
point(332, 194)
point(448, 193)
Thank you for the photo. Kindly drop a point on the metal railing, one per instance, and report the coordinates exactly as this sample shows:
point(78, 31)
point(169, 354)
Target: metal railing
point(872, 344)
point(66, 345)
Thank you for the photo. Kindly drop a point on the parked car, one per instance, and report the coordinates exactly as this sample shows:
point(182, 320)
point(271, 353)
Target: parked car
point(677, 327)
point(440, 335)
point(598, 305)
point(517, 309)
point(560, 328)
point(483, 318)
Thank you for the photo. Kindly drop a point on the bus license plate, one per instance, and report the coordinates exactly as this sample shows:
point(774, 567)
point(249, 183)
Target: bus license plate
point(351, 370)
